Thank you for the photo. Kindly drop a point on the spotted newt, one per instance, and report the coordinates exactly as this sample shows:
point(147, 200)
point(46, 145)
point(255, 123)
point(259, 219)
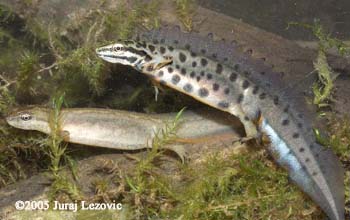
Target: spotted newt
point(314, 168)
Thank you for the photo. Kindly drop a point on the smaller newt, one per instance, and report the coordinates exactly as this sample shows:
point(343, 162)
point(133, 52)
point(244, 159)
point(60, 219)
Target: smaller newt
point(122, 130)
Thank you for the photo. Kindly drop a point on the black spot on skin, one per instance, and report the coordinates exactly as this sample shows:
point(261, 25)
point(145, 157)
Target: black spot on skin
point(202, 73)
point(240, 98)
point(301, 150)
point(262, 73)
point(233, 77)
point(151, 47)
point(216, 87)
point(170, 69)
point(175, 79)
point(188, 87)
point(193, 54)
point(300, 115)
point(162, 82)
point(300, 125)
point(307, 160)
point(255, 90)
point(160, 73)
point(219, 69)
point(203, 51)
point(276, 100)
point(192, 74)
point(204, 62)
point(227, 91)
point(236, 67)
point(246, 118)
point(155, 41)
point(176, 42)
point(183, 71)
point(285, 122)
point(203, 92)
point(223, 104)
point(162, 41)
point(170, 48)
point(250, 51)
point(317, 155)
point(209, 76)
point(162, 50)
point(148, 58)
point(245, 84)
point(187, 46)
point(198, 78)
point(262, 96)
point(295, 135)
point(182, 57)
point(177, 66)
point(286, 109)
point(314, 173)
point(194, 64)
point(214, 55)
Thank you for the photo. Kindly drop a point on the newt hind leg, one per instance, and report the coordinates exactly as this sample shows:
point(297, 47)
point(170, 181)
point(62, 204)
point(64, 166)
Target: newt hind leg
point(250, 126)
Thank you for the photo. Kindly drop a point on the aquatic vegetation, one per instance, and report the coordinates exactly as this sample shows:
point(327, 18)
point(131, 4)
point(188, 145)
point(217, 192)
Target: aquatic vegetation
point(185, 11)
point(324, 87)
point(55, 149)
point(218, 187)
point(124, 20)
point(26, 78)
point(81, 61)
point(6, 14)
point(55, 141)
point(51, 62)
point(145, 181)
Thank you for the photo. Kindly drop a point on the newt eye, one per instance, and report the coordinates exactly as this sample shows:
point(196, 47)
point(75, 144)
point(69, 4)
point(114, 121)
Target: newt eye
point(26, 117)
point(117, 48)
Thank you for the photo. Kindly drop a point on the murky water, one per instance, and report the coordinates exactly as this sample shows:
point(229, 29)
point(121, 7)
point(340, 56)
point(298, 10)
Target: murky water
point(274, 15)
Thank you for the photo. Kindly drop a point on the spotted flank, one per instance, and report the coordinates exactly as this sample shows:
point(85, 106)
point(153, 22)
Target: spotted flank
point(228, 88)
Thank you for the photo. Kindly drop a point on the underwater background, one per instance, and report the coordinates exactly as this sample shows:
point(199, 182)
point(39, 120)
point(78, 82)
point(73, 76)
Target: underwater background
point(48, 59)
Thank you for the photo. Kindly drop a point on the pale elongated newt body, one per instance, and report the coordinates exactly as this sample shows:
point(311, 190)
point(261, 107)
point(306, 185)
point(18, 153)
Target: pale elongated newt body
point(316, 170)
point(119, 129)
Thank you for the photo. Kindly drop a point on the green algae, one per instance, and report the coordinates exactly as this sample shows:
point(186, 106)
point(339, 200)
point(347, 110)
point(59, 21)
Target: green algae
point(185, 10)
point(323, 88)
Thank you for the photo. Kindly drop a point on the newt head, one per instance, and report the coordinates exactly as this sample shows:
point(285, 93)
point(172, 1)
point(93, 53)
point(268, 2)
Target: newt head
point(32, 118)
point(139, 55)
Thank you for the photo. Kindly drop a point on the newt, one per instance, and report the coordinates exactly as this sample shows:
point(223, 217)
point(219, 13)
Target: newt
point(116, 129)
point(190, 70)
